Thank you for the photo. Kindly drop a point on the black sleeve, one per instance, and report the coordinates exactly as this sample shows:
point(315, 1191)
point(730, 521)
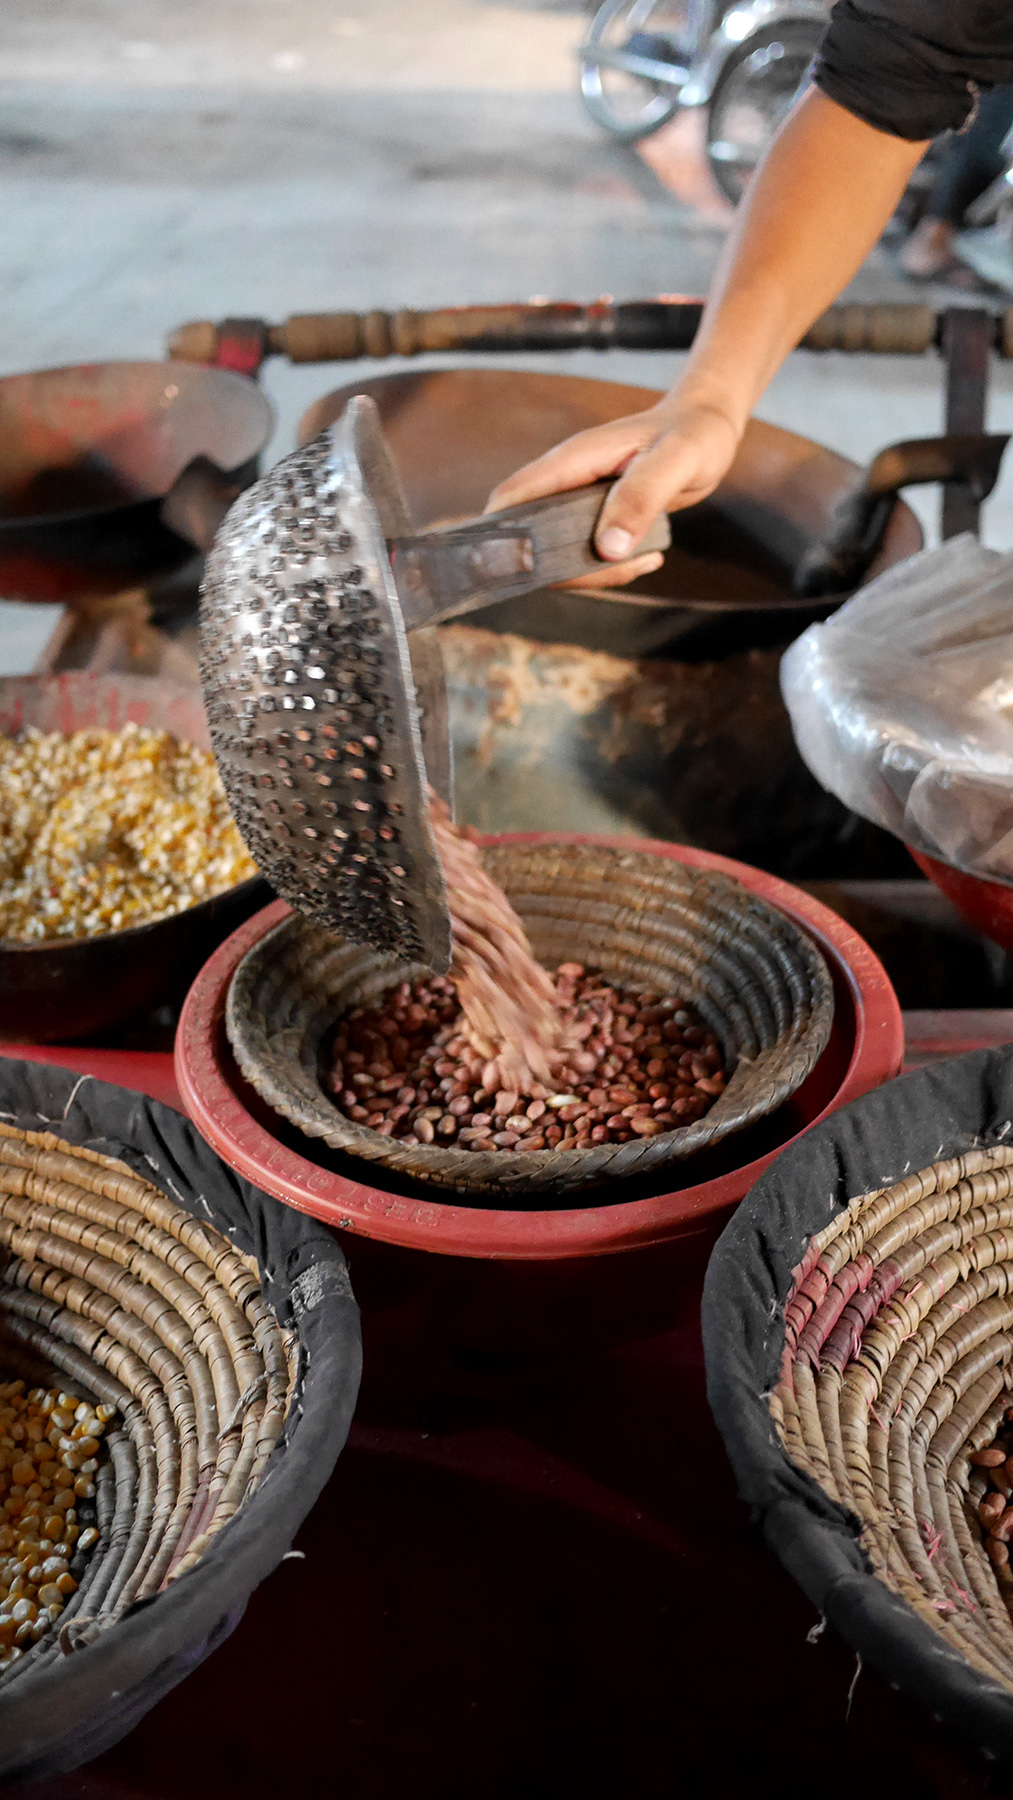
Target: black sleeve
point(913, 67)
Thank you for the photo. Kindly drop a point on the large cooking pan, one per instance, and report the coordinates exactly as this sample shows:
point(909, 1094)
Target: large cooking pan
point(95, 462)
point(680, 731)
point(731, 574)
point(71, 987)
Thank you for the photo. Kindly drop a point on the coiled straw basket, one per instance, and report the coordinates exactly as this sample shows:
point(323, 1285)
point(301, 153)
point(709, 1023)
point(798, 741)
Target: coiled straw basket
point(221, 1327)
point(136, 1303)
point(898, 1364)
point(756, 980)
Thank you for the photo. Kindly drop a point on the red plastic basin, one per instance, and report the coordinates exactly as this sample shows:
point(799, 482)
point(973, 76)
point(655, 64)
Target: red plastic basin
point(987, 905)
point(866, 1049)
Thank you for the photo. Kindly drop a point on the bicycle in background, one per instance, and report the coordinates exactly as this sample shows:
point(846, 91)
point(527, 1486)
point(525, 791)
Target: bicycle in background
point(643, 61)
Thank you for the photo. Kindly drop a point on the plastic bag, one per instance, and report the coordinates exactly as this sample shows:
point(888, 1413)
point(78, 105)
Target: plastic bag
point(902, 704)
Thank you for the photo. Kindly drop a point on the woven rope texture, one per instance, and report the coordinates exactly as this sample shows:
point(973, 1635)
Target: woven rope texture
point(138, 1305)
point(755, 979)
point(897, 1368)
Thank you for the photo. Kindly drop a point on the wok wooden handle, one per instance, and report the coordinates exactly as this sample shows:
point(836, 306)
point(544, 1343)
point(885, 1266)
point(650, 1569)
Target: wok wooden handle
point(244, 344)
point(666, 322)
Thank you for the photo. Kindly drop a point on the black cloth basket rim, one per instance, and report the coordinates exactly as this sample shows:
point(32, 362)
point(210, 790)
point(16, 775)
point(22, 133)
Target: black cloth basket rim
point(74, 1710)
point(911, 1122)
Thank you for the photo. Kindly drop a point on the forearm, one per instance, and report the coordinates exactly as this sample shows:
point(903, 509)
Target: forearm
point(816, 206)
point(826, 189)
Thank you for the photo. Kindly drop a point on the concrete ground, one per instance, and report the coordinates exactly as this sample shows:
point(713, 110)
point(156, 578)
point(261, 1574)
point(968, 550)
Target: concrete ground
point(168, 159)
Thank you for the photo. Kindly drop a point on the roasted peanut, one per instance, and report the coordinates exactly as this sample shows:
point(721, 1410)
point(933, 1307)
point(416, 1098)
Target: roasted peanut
point(603, 1086)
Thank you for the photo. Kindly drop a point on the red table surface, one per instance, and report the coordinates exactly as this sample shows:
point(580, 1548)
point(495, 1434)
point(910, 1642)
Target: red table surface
point(526, 1578)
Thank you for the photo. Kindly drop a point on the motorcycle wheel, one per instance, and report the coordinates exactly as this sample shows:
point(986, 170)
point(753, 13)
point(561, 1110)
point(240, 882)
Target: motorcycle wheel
point(626, 104)
point(752, 95)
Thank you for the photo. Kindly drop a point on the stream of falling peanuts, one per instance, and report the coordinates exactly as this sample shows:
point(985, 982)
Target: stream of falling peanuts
point(509, 1016)
point(49, 1444)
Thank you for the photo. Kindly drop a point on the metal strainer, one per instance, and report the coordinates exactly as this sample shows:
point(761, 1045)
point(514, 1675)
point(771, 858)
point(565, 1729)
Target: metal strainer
point(323, 677)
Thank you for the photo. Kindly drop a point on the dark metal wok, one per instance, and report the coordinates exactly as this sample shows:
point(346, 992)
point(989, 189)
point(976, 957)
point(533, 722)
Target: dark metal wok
point(683, 735)
point(92, 459)
point(69, 988)
point(728, 581)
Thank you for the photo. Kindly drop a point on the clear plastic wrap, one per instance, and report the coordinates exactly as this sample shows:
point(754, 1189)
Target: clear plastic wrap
point(902, 704)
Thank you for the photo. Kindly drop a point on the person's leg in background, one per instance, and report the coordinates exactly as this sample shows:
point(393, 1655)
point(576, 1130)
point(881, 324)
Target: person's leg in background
point(971, 160)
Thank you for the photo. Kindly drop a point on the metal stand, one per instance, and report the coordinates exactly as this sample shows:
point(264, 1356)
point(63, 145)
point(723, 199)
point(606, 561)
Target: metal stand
point(966, 340)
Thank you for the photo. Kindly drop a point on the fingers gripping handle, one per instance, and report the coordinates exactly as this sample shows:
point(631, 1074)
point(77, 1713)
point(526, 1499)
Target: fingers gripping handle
point(444, 573)
point(562, 527)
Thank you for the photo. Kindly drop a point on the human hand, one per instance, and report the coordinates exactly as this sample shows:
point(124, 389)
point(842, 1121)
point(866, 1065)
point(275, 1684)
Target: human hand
point(667, 457)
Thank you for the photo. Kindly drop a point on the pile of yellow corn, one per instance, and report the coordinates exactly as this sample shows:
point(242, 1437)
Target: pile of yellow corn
point(106, 829)
point(49, 1444)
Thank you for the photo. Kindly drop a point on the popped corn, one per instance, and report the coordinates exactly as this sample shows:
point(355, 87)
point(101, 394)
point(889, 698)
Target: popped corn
point(103, 830)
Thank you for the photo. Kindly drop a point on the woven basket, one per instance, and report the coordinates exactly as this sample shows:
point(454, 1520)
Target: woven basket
point(898, 1364)
point(755, 979)
point(132, 1301)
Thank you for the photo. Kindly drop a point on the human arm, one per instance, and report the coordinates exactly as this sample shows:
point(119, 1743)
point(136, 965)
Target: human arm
point(826, 188)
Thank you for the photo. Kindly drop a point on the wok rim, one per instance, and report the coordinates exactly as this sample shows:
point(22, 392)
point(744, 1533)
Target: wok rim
point(29, 522)
point(129, 933)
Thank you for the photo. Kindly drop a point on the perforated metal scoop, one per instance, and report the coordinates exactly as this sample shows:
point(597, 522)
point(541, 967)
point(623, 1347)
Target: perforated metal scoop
point(323, 678)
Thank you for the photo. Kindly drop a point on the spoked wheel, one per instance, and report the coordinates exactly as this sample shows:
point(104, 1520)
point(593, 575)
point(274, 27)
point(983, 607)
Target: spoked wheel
point(752, 95)
point(635, 62)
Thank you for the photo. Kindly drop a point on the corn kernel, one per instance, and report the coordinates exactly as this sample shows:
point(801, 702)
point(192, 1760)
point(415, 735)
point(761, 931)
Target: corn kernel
point(36, 1545)
point(103, 830)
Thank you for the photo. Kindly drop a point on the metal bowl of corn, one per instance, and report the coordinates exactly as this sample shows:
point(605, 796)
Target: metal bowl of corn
point(121, 868)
